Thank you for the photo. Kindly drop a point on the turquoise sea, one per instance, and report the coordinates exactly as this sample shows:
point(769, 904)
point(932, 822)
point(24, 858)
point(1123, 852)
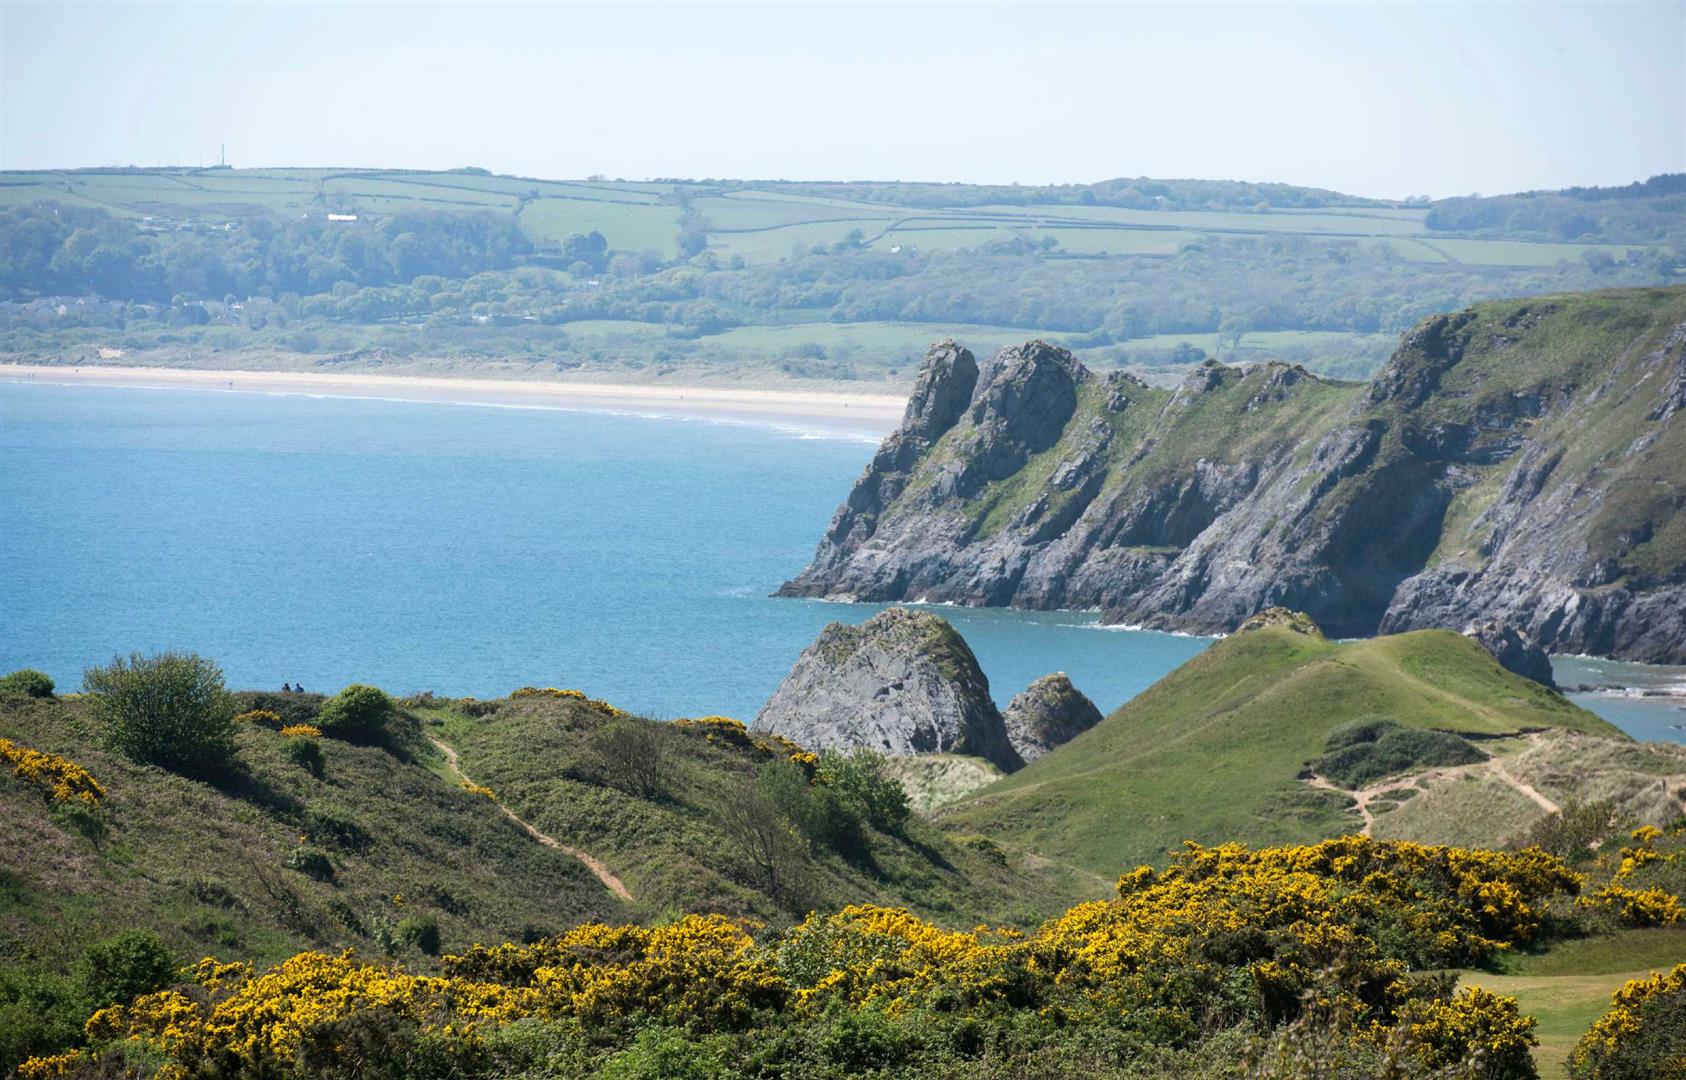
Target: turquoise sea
point(462, 549)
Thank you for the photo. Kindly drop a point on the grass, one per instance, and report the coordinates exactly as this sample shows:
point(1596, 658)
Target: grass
point(627, 226)
point(206, 865)
point(1213, 750)
point(1568, 987)
point(670, 848)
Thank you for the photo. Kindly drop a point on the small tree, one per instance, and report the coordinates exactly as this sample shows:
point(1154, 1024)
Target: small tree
point(631, 755)
point(120, 969)
point(357, 712)
point(170, 710)
point(29, 682)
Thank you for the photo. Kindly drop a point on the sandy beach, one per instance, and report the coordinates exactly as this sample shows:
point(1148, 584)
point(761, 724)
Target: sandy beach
point(857, 414)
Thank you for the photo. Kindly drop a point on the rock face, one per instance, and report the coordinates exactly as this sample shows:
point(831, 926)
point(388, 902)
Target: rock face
point(1048, 713)
point(1520, 462)
point(903, 682)
point(1514, 651)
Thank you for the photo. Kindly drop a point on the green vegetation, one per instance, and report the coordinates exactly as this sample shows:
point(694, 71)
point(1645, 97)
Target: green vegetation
point(169, 710)
point(358, 713)
point(462, 269)
point(732, 821)
point(1368, 749)
point(1214, 750)
point(27, 681)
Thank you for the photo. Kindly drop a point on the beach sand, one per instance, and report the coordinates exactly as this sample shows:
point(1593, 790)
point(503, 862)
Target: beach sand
point(865, 415)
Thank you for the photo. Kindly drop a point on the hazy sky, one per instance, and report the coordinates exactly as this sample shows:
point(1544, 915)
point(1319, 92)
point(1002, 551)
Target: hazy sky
point(1373, 99)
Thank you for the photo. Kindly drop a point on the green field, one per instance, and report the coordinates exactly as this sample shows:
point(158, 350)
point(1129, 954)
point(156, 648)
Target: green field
point(628, 226)
point(747, 219)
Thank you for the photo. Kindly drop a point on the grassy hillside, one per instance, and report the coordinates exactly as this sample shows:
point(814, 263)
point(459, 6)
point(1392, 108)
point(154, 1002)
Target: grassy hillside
point(675, 846)
point(1214, 750)
point(217, 867)
point(275, 858)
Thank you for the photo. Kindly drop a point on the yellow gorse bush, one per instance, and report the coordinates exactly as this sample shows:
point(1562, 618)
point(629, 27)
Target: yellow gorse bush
point(1613, 1037)
point(60, 778)
point(47, 1068)
point(566, 695)
point(307, 731)
point(730, 732)
point(1224, 933)
point(1637, 907)
point(260, 717)
point(475, 789)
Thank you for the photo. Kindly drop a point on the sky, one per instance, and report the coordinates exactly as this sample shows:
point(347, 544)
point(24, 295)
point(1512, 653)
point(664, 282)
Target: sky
point(1386, 100)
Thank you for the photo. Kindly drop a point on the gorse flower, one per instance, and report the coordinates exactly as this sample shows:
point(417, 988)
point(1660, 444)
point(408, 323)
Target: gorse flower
point(61, 779)
point(1640, 1034)
point(307, 731)
point(1222, 935)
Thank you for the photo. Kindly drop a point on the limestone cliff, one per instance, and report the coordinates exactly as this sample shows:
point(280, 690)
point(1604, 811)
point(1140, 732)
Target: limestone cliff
point(1522, 462)
point(903, 682)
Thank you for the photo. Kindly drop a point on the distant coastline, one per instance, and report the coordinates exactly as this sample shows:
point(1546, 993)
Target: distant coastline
point(866, 415)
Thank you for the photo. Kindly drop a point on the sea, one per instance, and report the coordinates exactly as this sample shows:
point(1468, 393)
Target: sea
point(471, 549)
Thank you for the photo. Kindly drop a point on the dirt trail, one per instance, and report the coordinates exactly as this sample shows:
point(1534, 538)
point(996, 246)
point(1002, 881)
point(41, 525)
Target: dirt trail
point(1492, 767)
point(592, 863)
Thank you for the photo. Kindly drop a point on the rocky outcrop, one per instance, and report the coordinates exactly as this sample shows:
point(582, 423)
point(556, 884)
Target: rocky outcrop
point(1048, 713)
point(1514, 651)
point(1517, 462)
point(903, 682)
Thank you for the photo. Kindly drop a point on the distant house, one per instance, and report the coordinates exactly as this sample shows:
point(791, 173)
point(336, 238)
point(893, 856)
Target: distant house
point(342, 217)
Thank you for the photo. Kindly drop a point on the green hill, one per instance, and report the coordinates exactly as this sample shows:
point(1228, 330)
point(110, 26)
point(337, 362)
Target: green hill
point(276, 858)
point(1214, 750)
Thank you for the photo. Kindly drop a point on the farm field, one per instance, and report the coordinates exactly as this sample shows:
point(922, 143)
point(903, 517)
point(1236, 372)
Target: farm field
point(748, 221)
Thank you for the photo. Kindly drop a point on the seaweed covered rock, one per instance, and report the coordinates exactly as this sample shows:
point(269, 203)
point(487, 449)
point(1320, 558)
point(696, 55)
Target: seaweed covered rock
point(1048, 713)
point(903, 682)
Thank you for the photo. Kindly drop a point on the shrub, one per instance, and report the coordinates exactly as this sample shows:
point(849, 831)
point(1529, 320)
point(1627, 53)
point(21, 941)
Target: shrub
point(302, 731)
point(422, 931)
point(1576, 831)
point(40, 1012)
point(1369, 749)
point(631, 755)
point(358, 713)
point(305, 752)
point(170, 710)
point(260, 718)
point(122, 968)
point(325, 826)
point(60, 779)
point(1642, 1037)
point(311, 862)
point(863, 779)
point(29, 682)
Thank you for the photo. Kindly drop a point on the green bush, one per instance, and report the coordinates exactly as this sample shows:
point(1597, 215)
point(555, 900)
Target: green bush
point(1370, 749)
point(311, 862)
point(121, 968)
point(305, 752)
point(40, 1013)
point(27, 681)
point(170, 710)
point(358, 713)
point(422, 931)
point(863, 780)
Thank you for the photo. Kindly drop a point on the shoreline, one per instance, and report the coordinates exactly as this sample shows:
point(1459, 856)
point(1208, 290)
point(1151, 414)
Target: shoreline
point(862, 415)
